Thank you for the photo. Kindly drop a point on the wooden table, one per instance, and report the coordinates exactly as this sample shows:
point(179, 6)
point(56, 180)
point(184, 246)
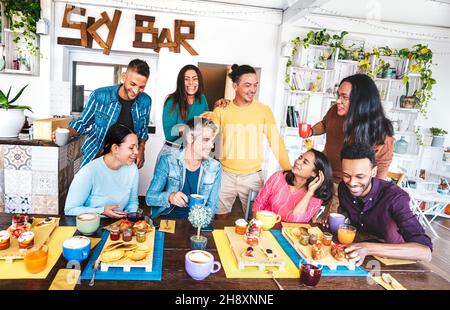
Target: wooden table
point(174, 277)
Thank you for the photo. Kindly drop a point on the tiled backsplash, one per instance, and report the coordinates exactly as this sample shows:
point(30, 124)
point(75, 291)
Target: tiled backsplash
point(36, 179)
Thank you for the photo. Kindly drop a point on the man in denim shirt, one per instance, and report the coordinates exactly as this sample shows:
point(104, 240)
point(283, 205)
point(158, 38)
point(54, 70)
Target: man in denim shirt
point(126, 104)
point(181, 173)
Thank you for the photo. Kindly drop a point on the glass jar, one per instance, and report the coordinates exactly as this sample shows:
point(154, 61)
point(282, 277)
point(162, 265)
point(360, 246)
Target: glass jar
point(312, 239)
point(114, 233)
point(127, 235)
point(327, 238)
point(140, 235)
point(401, 146)
point(304, 239)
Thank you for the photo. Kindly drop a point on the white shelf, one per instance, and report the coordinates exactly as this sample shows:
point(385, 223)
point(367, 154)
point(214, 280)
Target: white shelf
point(312, 69)
point(411, 133)
point(405, 110)
point(348, 61)
point(306, 92)
point(12, 71)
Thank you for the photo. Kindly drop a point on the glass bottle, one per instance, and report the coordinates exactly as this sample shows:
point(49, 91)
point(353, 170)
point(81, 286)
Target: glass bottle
point(401, 146)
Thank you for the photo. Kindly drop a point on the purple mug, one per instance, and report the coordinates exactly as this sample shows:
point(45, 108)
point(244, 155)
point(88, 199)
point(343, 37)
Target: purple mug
point(334, 220)
point(199, 264)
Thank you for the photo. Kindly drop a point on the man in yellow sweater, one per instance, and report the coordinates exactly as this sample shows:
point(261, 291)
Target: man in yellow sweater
point(243, 123)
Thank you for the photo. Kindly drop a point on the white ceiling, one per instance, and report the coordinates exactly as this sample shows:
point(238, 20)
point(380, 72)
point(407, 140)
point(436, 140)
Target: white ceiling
point(417, 12)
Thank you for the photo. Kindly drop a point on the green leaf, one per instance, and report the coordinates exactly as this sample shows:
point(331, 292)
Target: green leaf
point(18, 94)
point(3, 99)
point(7, 95)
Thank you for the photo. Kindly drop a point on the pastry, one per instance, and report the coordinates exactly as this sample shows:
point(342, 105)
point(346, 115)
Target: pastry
point(317, 251)
point(26, 240)
point(142, 225)
point(4, 239)
point(337, 251)
point(137, 255)
point(112, 256)
point(299, 231)
point(240, 226)
point(17, 229)
point(142, 247)
point(124, 225)
point(121, 246)
point(248, 253)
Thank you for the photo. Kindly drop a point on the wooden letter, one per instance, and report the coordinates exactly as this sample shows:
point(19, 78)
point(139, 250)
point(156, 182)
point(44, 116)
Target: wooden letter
point(140, 29)
point(112, 27)
point(67, 23)
point(165, 35)
point(180, 38)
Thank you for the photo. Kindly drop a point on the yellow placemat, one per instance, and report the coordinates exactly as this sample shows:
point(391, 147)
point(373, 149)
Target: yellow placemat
point(94, 242)
point(395, 284)
point(230, 267)
point(16, 270)
point(65, 279)
point(392, 261)
point(167, 226)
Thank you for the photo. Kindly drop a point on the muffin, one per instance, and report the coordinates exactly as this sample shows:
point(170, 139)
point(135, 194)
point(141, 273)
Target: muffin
point(4, 239)
point(240, 226)
point(26, 240)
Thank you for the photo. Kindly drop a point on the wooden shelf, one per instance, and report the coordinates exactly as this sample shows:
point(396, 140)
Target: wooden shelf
point(348, 61)
point(12, 71)
point(406, 110)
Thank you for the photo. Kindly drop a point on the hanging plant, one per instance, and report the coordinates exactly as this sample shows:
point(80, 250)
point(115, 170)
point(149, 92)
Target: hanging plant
point(421, 60)
point(322, 38)
point(22, 16)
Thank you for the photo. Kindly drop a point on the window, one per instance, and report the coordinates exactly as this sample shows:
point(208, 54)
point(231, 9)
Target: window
point(89, 70)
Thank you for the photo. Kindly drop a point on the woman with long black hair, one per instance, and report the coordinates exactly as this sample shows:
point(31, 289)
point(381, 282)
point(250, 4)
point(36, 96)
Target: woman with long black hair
point(186, 102)
point(357, 117)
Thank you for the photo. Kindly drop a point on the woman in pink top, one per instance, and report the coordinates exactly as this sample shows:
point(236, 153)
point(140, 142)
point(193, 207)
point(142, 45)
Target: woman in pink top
point(298, 194)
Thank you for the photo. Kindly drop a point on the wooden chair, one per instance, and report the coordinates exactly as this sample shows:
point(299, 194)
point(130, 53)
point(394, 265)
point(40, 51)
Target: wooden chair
point(396, 177)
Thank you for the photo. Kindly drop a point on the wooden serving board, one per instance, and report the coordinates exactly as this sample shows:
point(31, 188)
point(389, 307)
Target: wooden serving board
point(305, 251)
point(127, 263)
point(260, 259)
point(41, 236)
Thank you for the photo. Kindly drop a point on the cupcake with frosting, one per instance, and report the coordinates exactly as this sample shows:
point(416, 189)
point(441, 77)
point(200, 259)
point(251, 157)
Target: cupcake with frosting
point(4, 239)
point(240, 226)
point(26, 240)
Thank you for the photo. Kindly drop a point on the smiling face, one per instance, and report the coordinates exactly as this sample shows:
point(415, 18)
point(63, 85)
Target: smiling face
point(127, 151)
point(204, 143)
point(133, 84)
point(343, 100)
point(246, 87)
point(304, 166)
point(357, 175)
point(191, 82)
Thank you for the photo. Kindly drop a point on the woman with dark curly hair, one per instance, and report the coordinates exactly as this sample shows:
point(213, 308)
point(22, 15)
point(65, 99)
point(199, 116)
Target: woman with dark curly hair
point(298, 194)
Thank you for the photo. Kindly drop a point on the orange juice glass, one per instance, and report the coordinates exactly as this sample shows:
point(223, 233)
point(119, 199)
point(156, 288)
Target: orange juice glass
point(346, 233)
point(36, 261)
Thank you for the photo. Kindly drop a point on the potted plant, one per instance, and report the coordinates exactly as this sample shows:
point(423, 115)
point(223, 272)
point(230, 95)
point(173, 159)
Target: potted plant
point(22, 16)
point(408, 102)
point(420, 60)
point(200, 216)
point(12, 117)
point(438, 136)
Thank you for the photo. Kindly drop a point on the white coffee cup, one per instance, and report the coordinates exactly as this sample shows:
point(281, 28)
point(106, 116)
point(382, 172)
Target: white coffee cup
point(62, 136)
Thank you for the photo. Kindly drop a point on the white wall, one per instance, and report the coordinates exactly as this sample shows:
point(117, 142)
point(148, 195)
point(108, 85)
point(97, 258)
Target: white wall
point(217, 40)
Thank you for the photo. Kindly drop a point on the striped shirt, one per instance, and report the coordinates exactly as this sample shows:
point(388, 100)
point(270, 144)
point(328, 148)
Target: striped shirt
point(276, 196)
point(101, 112)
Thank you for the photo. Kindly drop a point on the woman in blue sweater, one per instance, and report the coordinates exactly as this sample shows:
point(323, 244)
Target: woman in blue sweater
point(108, 185)
point(186, 102)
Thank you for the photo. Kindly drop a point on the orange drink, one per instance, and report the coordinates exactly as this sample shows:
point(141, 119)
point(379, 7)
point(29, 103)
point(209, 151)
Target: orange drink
point(36, 261)
point(346, 234)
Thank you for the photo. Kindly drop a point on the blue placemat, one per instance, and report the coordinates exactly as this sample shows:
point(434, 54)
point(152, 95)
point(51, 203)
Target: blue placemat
point(341, 271)
point(135, 273)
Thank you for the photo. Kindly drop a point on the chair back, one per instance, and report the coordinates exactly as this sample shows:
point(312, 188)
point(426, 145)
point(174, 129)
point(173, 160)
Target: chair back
point(251, 199)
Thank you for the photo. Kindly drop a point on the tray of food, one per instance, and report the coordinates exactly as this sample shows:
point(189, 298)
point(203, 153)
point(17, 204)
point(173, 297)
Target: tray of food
point(250, 249)
point(133, 250)
point(316, 247)
point(25, 232)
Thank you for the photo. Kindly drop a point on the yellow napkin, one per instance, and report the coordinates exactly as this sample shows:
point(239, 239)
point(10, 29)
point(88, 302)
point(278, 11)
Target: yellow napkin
point(94, 242)
point(395, 284)
point(65, 279)
point(230, 267)
point(167, 226)
point(16, 270)
point(393, 261)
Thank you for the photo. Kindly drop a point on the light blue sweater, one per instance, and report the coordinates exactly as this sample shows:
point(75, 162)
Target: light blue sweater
point(96, 186)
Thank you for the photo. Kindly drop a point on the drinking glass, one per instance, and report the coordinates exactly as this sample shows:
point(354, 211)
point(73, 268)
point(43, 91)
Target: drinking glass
point(346, 234)
point(310, 274)
point(36, 260)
